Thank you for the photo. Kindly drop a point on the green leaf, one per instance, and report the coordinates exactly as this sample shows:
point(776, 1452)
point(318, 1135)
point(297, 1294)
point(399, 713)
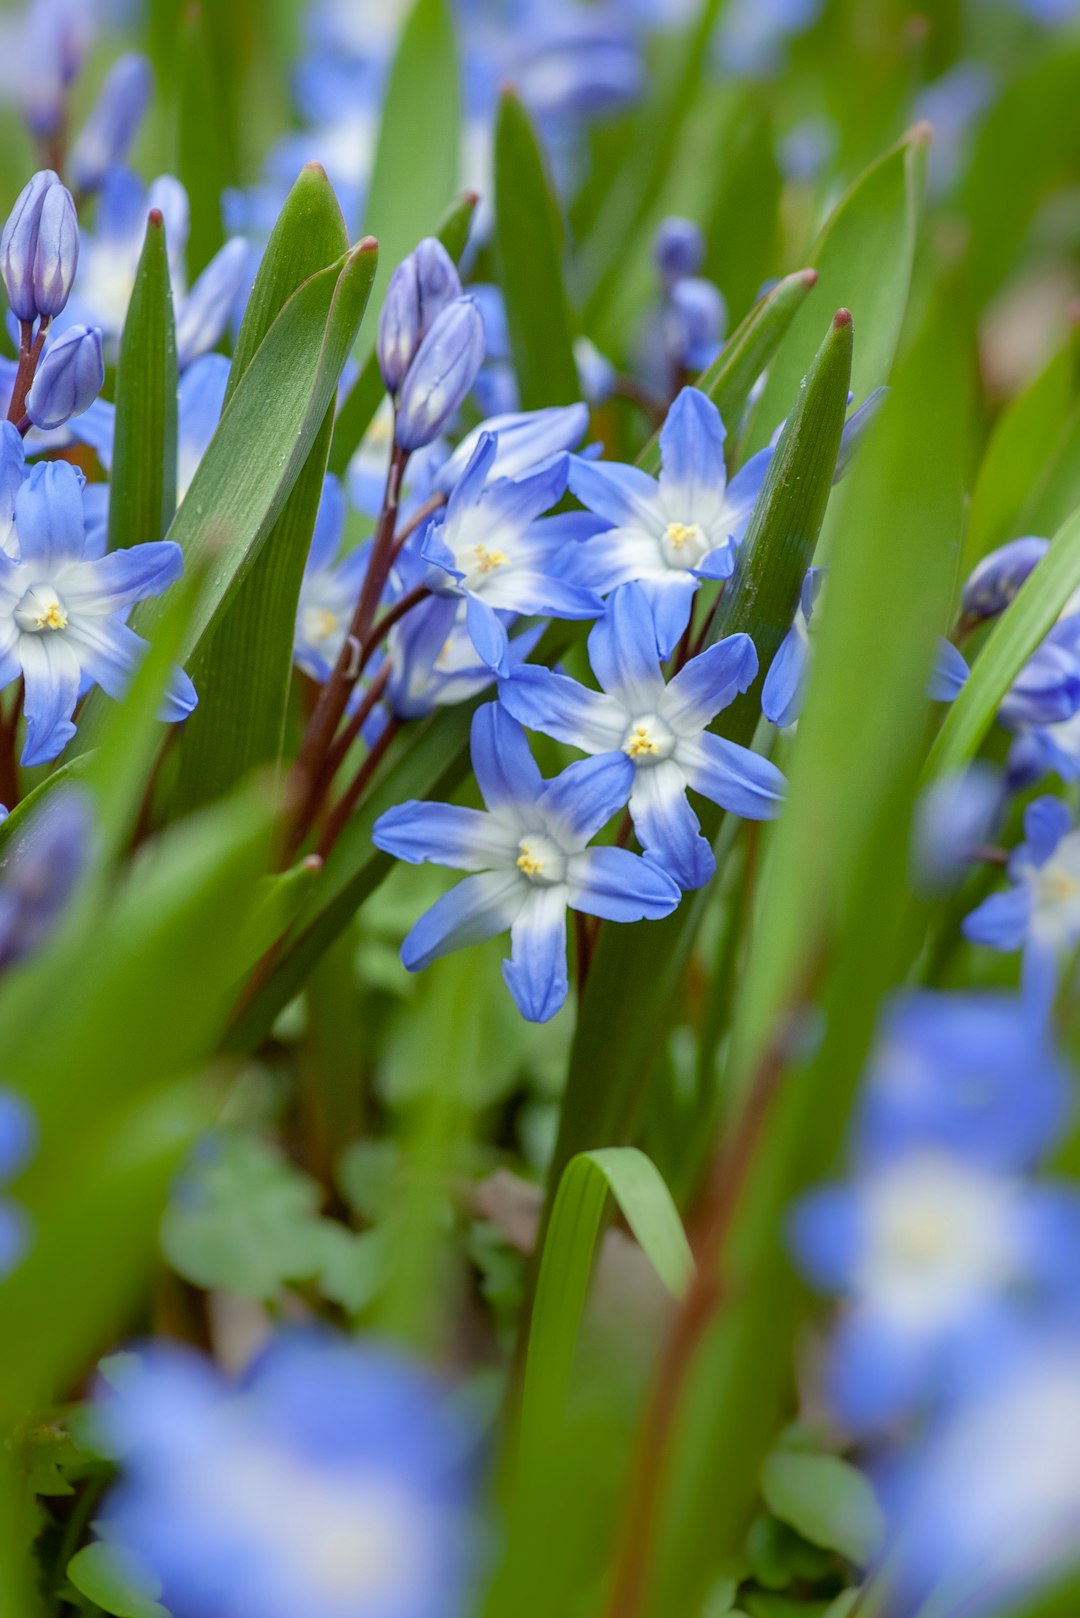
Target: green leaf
point(863, 258)
point(203, 147)
point(415, 173)
point(1007, 648)
point(730, 378)
point(243, 673)
point(142, 489)
point(1022, 451)
point(636, 969)
point(357, 410)
point(264, 438)
point(530, 240)
point(827, 1501)
point(116, 1581)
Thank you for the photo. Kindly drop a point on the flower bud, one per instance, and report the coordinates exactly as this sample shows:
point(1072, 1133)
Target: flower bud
point(998, 577)
point(678, 249)
point(441, 375)
point(420, 289)
point(39, 248)
point(56, 38)
point(68, 380)
point(694, 325)
point(108, 132)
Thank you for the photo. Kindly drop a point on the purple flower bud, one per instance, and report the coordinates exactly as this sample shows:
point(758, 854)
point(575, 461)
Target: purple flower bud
point(441, 375)
point(56, 38)
point(997, 578)
point(678, 249)
point(420, 289)
point(68, 380)
point(108, 132)
point(694, 324)
point(39, 248)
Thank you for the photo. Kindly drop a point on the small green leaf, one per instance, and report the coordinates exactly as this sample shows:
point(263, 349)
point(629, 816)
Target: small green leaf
point(142, 490)
point(529, 234)
point(827, 1501)
point(116, 1581)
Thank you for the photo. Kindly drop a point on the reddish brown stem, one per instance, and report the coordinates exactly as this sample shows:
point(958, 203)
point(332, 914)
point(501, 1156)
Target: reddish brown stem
point(417, 520)
point(335, 758)
point(9, 768)
point(345, 805)
point(29, 353)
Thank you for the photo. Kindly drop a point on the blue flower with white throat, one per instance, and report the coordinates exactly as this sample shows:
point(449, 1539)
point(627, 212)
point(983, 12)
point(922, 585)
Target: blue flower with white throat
point(490, 547)
point(529, 859)
point(668, 534)
point(328, 590)
point(61, 613)
point(655, 734)
point(1040, 912)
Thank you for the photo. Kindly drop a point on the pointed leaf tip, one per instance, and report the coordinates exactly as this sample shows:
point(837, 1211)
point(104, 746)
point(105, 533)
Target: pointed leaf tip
point(842, 318)
point(155, 219)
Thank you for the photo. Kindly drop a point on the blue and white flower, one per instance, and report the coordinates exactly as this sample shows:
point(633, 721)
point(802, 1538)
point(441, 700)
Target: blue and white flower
point(671, 533)
point(529, 857)
point(61, 614)
point(329, 589)
point(654, 735)
point(489, 547)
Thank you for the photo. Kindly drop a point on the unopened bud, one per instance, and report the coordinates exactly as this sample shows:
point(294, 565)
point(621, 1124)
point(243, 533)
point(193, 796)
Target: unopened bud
point(695, 321)
point(441, 375)
point(39, 248)
point(678, 249)
point(420, 289)
point(110, 129)
point(68, 380)
point(993, 584)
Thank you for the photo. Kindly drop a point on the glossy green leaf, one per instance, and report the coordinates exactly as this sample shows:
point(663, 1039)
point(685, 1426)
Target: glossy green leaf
point(864, 258)
point(1022, 455)
point(826, 1500)
point(115, 1581)
point(359, 406)
point(417, 157)
point(243, 673)
point(142, 487)
point(203, 149)
point(530, 240)
point(1007, 648)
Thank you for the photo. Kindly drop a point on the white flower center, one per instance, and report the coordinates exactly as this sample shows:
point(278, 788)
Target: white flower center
point(1057, 894)
point(479, 562)
point(319, 624)
point(41, 610)
point(648, 740)
point(683, 544)
point(541, 860)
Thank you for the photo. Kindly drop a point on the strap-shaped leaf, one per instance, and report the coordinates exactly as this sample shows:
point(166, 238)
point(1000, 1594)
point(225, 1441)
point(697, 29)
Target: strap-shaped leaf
point(204, 163)
point(142, 492)
point(242, 675)
point(529, 235)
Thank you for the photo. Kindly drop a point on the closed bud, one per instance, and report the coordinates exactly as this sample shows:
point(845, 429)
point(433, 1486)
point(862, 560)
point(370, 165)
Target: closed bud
point(678, 249)
point(110, 129)
point(55, 41)
point(39, 248)
point(998, 577)
point(420, 289)
point(68, 380)
point(694, 325)
point(441, 374)
point(57, 256)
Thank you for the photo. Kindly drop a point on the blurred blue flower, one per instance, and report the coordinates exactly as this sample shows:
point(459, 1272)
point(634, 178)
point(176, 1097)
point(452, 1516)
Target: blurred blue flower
point(655, 734)
point(18, 1133)
point(114, 119)
point(529, 855)
point(1047, 689)
point(954, 817)
point(56, 35)
point(329, 588)
point(693, 323)
point(61, 614)
point(953, 105)
point(335, 1480)
point(671, 533)
point(678, 249)
point(199, 401)
point(753, 33)
point(994, 582)
point(43, 864)
point(490, 548)
point(1040, 912)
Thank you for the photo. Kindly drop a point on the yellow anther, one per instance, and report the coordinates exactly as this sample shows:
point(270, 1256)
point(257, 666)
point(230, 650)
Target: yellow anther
point(324, 623)
point(527, 862)
point(639, 743)
point(487, 561)
point(679, 534)
point(54, 617)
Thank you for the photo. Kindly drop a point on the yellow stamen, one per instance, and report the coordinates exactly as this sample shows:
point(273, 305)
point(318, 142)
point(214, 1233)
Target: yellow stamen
point(527, 862)
point(639, 743)
point(487, 561)
point(679, 534)
point(54, 617)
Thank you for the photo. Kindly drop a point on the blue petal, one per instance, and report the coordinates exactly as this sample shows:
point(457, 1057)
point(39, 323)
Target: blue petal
point(1001, 921)
point(784, 689)
point(521, 589)
point(488, 634)
point(505, 770)
point(667, 827)
point(948, 674)
point(52, 674)
point(876, 1372)
point(743, 491)
point(623, 650)
point(1040, 966)
point(583, 798)
point(719, 563)
point(517, 501)
point(478, 908)
point(708, 683)
point(445, 834)
point(560, 707)
point(329, 526)
point(692, 448)
point(205, 311)
point(116, 581)
point(624, 495)
point(49, 515)
point(739, 780)
point(672, 600)
point(1046, 822)
point(620, 886)
point(199, 403)
point(12, 467)
point(15, 1236)
point(470, 486)
point(180, 699)
point(524, 438)
point(108, 651)
point(536, 971)
point(824, 1236)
